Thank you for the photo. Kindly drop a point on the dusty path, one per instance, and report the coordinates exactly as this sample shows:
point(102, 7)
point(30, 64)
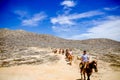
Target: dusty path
point(55, 71)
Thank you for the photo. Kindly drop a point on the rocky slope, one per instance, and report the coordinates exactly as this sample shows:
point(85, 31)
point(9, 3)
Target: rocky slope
point(33, 52)
point(17, 46)
point(16, 39)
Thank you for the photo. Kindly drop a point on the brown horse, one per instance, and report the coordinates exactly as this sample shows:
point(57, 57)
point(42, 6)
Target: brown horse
point(88, 69)
point(67, 53)
point(70, 58)
point(54, 51)
point(62, 51)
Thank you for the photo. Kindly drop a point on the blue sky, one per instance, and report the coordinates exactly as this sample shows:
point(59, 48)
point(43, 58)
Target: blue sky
point(69, 19)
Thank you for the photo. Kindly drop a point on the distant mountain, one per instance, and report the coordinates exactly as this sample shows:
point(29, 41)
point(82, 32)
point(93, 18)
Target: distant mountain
point(10, 40)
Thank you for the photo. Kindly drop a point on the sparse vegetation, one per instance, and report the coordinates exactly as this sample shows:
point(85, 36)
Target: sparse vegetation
point(16, 44)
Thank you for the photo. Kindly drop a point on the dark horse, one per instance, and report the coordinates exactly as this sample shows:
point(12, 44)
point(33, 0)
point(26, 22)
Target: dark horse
point(88, 69)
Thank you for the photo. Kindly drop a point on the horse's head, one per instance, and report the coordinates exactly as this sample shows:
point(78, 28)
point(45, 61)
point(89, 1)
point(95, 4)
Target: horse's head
point(94, 63)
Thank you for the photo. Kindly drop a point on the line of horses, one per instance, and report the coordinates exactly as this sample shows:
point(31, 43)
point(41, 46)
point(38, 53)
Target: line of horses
point(84, 71)
point(67, 52)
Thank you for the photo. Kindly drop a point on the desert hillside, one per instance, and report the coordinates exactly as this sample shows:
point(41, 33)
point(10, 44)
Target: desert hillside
point(28, 56)
point(12, 40)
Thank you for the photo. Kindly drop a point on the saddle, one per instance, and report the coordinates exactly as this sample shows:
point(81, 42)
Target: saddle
point(83, 65)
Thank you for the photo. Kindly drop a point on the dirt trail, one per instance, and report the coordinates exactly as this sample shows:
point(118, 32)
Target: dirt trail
point(56, 71)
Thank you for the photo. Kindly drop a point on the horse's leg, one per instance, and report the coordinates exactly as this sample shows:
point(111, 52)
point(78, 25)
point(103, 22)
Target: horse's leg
point(84, 76)
point(81, 71)
point(71, 60)
point(88, 76)
point(81, 77)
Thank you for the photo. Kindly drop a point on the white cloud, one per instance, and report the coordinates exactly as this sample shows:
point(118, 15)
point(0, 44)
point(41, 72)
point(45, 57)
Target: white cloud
point(111, 8)
point(34, 21)
point(107, 29)
point(68, 3)
point(68, 19)
point(61, 29)
point(62, 19)
point(85, 14)
point(21, 14)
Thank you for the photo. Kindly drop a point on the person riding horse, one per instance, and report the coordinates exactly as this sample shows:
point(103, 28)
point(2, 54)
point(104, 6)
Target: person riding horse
point(84, 59)
point(70, 56)
point(86, 66)
point(67, 53)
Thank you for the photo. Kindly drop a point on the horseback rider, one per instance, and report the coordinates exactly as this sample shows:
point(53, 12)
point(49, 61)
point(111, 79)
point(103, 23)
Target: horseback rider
point(70, 56)
point(84, 59)
point(70, 52)
point(86, 67)
point(67, 53)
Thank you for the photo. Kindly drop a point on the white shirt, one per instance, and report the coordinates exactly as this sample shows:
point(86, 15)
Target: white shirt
point(70, 52)
point(85, 58)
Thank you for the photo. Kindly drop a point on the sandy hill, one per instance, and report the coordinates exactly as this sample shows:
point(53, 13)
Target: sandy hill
point(33, 52)
point(10, 39)
point(18, 42)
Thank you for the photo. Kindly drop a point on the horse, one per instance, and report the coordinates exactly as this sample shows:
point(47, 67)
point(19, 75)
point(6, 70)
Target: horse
point(70, 58)
point(62, 51)
point(54, 51)
point(88, 69)
point(67, 53)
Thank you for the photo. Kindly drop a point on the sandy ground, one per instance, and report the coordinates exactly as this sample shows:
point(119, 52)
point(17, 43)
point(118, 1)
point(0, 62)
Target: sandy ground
point(56, 71)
